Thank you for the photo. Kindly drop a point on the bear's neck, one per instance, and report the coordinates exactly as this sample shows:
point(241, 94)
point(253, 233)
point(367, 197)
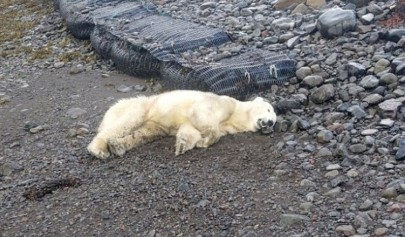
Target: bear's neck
point(237, 121)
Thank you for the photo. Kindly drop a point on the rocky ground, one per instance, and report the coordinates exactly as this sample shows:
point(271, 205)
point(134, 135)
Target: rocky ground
point(334, 167)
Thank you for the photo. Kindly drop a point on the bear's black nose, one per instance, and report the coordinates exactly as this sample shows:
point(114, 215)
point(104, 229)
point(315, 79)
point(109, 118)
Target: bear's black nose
point(270, 123)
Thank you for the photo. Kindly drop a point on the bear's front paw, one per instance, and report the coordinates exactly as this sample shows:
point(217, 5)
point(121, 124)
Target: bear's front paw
point(181, 146)
point(116, 147)
point(98, 148)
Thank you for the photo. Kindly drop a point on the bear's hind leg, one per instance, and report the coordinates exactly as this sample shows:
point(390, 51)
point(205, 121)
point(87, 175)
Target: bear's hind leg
point(112, 129)
point(186, 138)
point(98, 148)
point(144, 134)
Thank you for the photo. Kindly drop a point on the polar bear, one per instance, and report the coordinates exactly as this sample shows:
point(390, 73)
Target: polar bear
point(195, 118)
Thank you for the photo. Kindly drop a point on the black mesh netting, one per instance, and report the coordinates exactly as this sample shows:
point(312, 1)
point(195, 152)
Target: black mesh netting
point(142, 42)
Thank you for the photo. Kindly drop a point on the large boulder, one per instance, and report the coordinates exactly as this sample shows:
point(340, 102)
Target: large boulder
point(335, 22)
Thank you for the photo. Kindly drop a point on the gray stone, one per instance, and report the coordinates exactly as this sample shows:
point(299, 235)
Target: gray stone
point(246, 12)
point(324, 152)
point(324, 136)
point(396, 34)
point(292, 219)
point(331, 59)
point(5, 170)
point(281, 125)
point(337, 181)
point(373, 99)
point(362, 220)
point(341, 150)
point(333, 167)
point(356, 111)
point(302, 98)
point(389, 166)
point(312, 196)
point(303, 72)
point(389, 78)
point(352, 173)
point(387, 122)
point(332, 174)
point(346, 230)
point(389, 223)
point(301, 9)
point(4, 98)
point(140, 88)
point(59, 64)
point(400, 154)
point(356, 69)
point(335, 22)
point(370, 131)
point(208, 5)
point(333, 192)
point(369, 141)
point(398, 92)
point(76, 70)
point(369, 82)
point(283, 23)
point(74, 113)
point(285, 105)
point(354, 89)
point(124, 88)
point(383, 151)
point(323, 94)
point(303, 124)
point(380, 231)
point(8, 168)
point(309, 148)
point(307, 183)
point(316, 4)
point(306, 206)
point(283, 4)
point(308, 28)
point(29, 125)
point(37, 129)
point(389, 108)
point(357, 148)
point(401, 43)
point(366, 205)
point(202, 203)
point(312, 81)
point(367, 18)
point(293, 41)
point(259, 18)
point(381, 65)
point(374, 8)
point(400, 69)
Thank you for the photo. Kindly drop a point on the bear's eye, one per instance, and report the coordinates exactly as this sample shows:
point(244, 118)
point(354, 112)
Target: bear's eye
point(268, 110)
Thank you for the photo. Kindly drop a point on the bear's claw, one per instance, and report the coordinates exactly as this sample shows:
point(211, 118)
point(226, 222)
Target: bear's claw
point(182, 146)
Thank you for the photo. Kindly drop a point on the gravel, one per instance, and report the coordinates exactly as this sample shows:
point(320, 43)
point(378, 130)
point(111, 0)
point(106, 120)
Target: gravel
point(334, 166)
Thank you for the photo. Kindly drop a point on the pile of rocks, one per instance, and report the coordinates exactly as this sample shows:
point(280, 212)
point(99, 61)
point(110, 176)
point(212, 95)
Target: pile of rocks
point(346, 101)
point(343, 109)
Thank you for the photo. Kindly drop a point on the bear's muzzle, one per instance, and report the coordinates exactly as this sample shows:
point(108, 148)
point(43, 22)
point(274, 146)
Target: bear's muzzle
point(266, 127)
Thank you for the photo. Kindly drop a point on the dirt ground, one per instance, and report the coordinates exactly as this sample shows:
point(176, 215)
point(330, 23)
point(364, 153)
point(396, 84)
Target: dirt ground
point(229, 189)
point(246, 185)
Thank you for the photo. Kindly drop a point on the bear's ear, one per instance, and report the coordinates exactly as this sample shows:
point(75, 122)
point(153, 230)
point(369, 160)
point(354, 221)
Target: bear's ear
point(261, 99)
point(258, 99)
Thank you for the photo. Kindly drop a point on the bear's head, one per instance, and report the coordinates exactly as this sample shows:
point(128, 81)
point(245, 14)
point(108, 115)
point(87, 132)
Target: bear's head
point(262, 115)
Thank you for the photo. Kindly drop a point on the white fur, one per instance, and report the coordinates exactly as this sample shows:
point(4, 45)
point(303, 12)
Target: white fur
point(197, 119)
